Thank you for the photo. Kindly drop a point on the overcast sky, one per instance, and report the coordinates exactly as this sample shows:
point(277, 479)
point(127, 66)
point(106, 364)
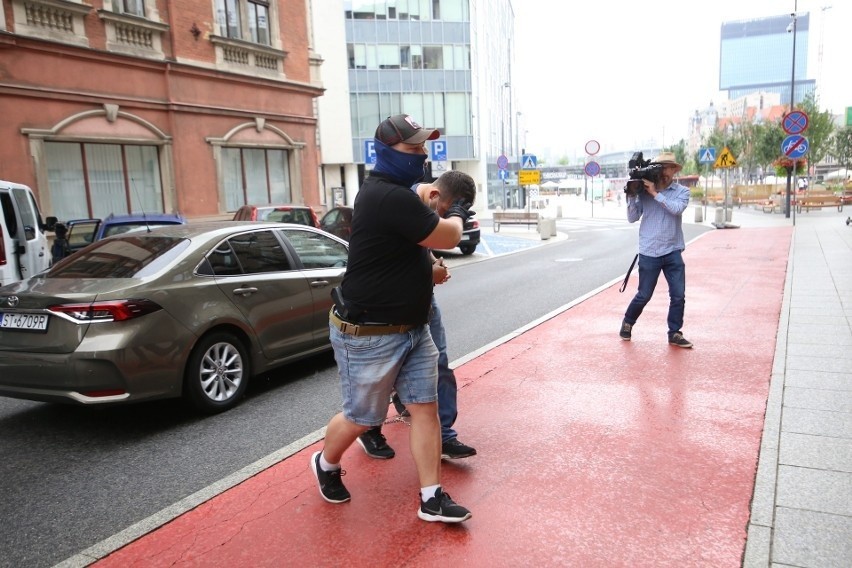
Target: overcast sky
point(629, 74)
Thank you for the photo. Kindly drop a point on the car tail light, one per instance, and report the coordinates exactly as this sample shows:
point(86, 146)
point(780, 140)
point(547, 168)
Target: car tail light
point(116, 310)
point(472, 224)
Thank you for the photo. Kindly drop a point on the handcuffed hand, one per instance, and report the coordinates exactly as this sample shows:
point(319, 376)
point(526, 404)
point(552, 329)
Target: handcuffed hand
point(460, 208)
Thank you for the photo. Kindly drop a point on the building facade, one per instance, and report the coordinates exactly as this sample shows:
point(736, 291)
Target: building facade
point(196, 107)
point(447, 63)
point(757, 56)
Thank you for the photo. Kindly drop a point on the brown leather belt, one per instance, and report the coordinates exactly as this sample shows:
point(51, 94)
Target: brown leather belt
point(366, 329)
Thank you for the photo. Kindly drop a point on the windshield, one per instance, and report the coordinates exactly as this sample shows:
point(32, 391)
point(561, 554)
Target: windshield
point(122, 257)
point(297, 216)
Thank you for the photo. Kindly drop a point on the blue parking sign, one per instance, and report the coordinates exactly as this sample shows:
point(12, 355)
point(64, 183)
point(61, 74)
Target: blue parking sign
point(370, 152)
point(439, 151)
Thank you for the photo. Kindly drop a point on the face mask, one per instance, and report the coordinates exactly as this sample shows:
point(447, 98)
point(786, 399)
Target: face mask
point(408, 169)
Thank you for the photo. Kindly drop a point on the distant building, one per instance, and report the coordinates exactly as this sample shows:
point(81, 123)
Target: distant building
point(757, 56)
point(447, 63)
point(197, 107)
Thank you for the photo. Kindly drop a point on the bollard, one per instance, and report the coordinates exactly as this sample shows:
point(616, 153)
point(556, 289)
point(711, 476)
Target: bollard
point(558, 211)
point(720, 216)
point(699, 214)
point(547, 228)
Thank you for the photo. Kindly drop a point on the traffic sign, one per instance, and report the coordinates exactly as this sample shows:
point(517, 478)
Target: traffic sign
point(707, 155)
point(795, 122)
point(795, 146)
point(370, 153)
point(725, 160)
point(528, 162)
point(592, 168)
point(439, 150)
point(592, 147)
point(502, 162)
point(528, 177)
point(503, 174)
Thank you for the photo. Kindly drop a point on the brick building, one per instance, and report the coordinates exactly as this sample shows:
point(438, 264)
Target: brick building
point(190, 106)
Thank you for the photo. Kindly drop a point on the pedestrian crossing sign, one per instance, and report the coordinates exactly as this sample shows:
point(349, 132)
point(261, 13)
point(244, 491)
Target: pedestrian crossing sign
point(528, 162)
point(725, 160)
point(707, 155)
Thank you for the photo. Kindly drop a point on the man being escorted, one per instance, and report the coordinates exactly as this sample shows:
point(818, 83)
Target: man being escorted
point(660, 246)
point(379, 324)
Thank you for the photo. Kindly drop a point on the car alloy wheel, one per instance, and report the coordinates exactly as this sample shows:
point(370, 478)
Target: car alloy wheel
point(217, 373)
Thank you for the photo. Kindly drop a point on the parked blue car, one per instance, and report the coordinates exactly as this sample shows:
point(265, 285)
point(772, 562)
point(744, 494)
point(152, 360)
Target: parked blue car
point(83, 232)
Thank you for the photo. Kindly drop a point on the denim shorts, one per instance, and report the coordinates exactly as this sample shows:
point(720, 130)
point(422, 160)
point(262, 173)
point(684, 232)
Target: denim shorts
point(372, 366)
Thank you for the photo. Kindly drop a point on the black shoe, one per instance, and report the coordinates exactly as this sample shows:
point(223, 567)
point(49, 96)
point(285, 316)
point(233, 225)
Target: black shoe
point(626, 332)
point(398, 406)
point(442, 508)
point(452, 449)
point(375, 444)
point(679, 340)
point(329, 482)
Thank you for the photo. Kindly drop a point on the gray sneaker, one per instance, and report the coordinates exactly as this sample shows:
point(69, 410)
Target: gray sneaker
point(626, 332)
point(679, 340)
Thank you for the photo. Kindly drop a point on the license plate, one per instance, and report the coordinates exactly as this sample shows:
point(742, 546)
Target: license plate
point(465, 237)
point(24, 322)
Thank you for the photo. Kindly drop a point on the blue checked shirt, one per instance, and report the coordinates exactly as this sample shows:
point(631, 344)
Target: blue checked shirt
point(660, 231)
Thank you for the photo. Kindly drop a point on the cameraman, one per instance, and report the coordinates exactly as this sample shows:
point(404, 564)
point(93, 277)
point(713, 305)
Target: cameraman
point(660, 206)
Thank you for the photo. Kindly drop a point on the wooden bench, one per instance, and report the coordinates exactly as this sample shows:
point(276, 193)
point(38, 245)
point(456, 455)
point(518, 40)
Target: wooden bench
point(514, 218)
point(769, 206)
point(817, 202)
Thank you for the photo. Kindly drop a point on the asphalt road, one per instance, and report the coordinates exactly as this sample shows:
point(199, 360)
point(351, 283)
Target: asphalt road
point(71, 477)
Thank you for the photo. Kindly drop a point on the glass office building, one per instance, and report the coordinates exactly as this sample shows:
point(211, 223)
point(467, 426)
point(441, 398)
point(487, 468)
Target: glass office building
point(448, 64)
point(757, 56)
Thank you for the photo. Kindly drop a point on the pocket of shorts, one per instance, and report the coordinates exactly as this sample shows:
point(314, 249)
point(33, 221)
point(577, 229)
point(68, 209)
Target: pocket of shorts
point(364, 342)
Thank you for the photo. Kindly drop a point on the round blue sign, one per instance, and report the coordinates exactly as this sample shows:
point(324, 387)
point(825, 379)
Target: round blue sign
point(592, 169)
point(795, 146)
point(502, 162)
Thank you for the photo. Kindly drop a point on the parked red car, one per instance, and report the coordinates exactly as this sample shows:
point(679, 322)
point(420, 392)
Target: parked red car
point(297, 214)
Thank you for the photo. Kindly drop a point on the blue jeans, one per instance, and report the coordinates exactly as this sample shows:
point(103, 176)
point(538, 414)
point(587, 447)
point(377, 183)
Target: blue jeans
point(673, 268)
point(448, 408)
point(372, 366)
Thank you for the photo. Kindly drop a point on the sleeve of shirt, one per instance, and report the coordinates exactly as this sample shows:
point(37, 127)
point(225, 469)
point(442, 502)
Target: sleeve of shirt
point(674, 202)
point(408, 216)
point(634, 208)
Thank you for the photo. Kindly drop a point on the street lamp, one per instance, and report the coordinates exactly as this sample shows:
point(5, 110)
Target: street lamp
point(503, 133)
point(792, 28)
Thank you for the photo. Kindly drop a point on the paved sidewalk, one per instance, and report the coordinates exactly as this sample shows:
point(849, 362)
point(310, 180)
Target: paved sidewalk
point(594, 451)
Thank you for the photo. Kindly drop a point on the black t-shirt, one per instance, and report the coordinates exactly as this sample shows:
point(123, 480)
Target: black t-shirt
point(389, 277)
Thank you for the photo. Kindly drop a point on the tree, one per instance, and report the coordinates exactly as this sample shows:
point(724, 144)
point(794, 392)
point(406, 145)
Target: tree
point(767, 147)
point(841, 147)
point(820, 128)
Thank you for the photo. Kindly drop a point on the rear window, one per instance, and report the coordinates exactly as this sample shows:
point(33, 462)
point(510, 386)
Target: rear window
point(122, 257)
point(133, 227)
point(297, 216)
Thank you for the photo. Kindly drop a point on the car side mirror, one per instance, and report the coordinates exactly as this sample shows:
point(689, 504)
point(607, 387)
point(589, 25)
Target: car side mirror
point(50, 223)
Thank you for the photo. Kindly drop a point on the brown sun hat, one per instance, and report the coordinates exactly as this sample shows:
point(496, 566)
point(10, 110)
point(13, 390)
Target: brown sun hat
point(667, 159)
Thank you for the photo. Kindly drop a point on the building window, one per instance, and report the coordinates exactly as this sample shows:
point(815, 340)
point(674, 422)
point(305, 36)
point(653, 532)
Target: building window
point(93, 180)
point(255, 176)
point(246, 20)
point(132, 7)
point(393, 56)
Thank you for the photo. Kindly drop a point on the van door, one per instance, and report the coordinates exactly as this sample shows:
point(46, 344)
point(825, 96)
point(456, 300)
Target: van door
point(36, 256)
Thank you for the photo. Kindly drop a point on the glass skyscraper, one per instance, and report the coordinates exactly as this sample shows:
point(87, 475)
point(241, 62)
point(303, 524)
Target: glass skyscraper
point(757, 56)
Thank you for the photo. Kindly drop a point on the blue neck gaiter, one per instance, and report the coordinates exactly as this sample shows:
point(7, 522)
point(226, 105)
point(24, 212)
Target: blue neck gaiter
point(406, 168)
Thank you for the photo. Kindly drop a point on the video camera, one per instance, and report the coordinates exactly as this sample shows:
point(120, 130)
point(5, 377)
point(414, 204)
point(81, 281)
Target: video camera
point(641, 169)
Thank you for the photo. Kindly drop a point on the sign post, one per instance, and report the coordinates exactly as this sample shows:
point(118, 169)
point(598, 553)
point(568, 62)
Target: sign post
point(726, 161)
point(706, 156)
point(502, 164)
point(528, 173)
point(794, 146)
point(591, 169)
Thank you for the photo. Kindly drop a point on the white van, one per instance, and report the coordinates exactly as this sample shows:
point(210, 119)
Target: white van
point(24, 250)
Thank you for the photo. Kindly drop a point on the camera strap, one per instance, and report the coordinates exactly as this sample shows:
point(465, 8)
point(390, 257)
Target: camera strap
point(629, 270)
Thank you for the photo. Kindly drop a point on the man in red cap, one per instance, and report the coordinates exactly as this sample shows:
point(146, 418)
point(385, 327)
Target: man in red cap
point(379, 324)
